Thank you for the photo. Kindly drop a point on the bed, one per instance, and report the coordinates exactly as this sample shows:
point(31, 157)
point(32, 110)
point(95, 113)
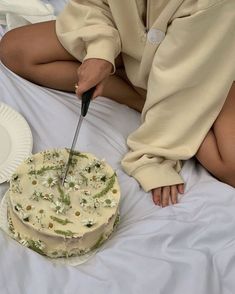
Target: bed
point(185, 248)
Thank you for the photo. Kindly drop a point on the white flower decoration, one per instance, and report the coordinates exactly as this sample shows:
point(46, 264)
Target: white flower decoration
point(16, 236)
point(29, 160)
point(89, 222)
point(108, 201)
point(59, 207)
point(48, 197)
point(39, 244)
point(23, 215)
point(49, 180)
point(89, 203)
point(71, 183)
point(36, 195)
point(56, 153)
point(24, 242)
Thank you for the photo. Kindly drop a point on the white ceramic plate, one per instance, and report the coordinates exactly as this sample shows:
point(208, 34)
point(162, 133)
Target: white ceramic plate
point(16, 141)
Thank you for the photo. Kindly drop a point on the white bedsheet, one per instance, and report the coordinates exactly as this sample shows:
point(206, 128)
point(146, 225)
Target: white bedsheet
point(14, 13)
point(186, 248)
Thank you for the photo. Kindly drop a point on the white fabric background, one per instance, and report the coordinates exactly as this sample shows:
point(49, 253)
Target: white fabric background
point(186, 248)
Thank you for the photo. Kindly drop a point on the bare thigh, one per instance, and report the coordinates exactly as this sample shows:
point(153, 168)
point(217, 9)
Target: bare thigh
point(35, 53)
point(216, 152)
point(36, 43)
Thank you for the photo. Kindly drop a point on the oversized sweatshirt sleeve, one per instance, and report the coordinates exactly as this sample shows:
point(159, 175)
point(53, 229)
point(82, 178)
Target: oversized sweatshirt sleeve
point(191, 75)
point(86, 29)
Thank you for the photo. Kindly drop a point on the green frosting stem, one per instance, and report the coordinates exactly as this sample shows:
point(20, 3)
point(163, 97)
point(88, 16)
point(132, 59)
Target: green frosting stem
point(108, 187)
point(32, 245)
point(77, 153)
point(64, 198)
point(61, 221)
point(67, 233)
point(43, 169)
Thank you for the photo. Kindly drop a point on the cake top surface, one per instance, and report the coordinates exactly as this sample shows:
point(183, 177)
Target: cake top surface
point(89, 198)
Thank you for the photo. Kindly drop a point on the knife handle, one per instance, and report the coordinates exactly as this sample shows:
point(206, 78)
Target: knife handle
point(86, 99)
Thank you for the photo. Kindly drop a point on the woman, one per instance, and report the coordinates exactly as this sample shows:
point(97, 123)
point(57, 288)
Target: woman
point(172, 60)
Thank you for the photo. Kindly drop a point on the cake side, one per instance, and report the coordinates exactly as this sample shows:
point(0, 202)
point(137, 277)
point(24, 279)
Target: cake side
point(57, 246)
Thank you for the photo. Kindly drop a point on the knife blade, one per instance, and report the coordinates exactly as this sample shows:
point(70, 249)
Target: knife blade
point(86, 99)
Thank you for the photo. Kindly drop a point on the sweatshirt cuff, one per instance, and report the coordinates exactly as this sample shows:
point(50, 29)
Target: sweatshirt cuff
point(154, 176)
point(102, 49)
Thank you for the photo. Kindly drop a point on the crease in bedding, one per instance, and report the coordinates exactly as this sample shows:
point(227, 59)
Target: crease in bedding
point(14, 13)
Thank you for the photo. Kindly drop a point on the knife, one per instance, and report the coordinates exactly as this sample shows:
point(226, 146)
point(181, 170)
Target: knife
point(86, 99)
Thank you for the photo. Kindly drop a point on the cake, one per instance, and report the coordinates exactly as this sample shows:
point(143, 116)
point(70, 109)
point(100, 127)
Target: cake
point(68, 220)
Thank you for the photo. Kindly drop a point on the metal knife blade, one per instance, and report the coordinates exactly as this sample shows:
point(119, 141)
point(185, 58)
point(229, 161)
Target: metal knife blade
point(86, 98)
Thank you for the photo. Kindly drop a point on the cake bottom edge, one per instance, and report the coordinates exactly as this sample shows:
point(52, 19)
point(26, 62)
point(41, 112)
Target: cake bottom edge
point(39, 247)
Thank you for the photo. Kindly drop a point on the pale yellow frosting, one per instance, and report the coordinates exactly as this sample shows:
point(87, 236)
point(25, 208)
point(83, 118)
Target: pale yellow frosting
point(67, 220)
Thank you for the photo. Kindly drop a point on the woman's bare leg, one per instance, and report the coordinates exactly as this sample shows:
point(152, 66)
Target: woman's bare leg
point(35, 53)
point(217, 151)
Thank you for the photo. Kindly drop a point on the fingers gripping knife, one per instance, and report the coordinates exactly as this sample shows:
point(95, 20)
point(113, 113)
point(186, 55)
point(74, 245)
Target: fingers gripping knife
point(86, 99)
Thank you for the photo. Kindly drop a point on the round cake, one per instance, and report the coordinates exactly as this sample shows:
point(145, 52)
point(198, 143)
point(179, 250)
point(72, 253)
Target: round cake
point(63, 220)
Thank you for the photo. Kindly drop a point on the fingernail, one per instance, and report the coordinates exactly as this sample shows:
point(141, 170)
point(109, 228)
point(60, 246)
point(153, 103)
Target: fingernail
point(157, 203)
point(181, 189)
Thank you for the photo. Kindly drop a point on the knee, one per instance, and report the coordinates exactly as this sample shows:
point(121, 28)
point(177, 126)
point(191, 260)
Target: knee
point(11, 51)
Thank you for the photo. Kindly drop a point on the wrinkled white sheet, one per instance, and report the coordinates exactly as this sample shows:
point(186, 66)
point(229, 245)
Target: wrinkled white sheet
point(2, 31)
point(14, 13)
point(186, 248)
point(57, 4)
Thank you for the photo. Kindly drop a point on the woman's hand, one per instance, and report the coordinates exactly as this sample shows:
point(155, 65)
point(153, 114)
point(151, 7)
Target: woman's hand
point(93, 72)
point(162, 195)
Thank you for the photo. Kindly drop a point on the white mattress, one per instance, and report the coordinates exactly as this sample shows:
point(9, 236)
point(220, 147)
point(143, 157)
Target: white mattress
point(185, 248)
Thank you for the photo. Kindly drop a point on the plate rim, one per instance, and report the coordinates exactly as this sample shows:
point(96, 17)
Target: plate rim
point(6, 172)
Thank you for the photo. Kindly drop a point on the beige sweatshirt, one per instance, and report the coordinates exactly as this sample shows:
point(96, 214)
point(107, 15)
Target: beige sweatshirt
point(184, 55)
